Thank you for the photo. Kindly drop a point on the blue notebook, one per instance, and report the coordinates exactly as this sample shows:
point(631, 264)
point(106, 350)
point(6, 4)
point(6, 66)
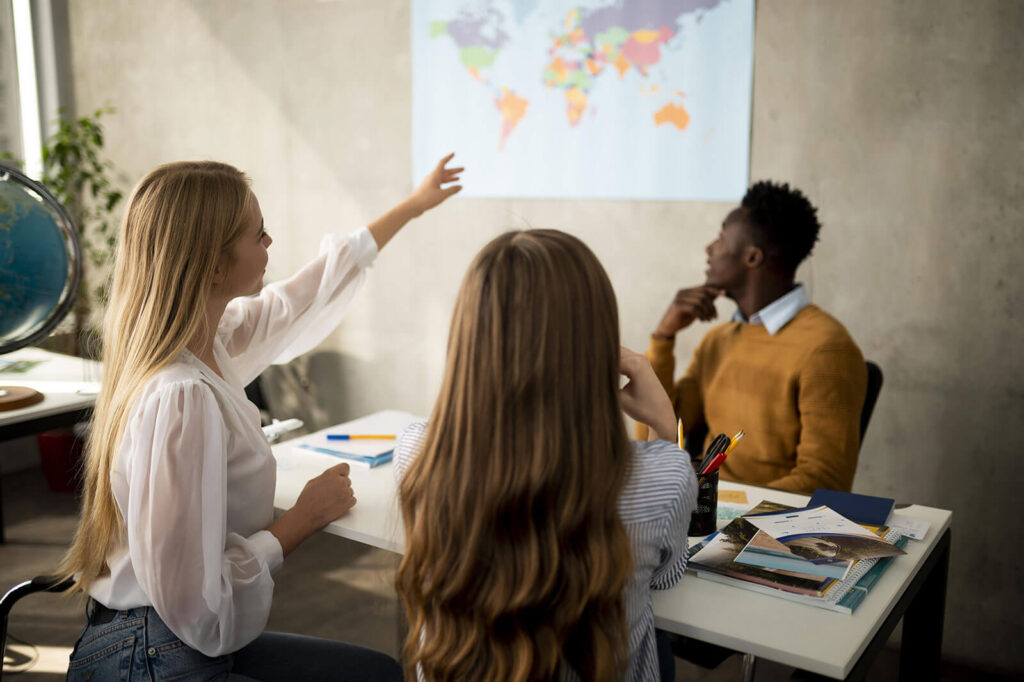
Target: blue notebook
point(858, 508)
point(368, 461)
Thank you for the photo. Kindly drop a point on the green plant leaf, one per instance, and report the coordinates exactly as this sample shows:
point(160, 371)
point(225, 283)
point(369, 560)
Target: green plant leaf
point(80, 177)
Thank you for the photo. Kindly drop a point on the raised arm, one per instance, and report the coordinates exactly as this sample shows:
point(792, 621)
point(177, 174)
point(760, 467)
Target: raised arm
point(432, 191)
point(683, 394)
point(686, 307)
point(643, 398)
point(293, 316)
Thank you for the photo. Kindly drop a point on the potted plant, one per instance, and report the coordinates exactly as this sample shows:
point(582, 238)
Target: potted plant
point(78, 175)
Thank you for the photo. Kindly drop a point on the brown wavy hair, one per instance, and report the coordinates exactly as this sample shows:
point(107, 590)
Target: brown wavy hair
point(516, 558)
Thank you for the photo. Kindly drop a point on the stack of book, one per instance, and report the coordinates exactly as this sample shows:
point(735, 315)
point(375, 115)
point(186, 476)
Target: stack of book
point(812, 555)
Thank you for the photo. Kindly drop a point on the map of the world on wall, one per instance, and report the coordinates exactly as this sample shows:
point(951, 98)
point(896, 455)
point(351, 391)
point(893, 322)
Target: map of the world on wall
point(635, 99)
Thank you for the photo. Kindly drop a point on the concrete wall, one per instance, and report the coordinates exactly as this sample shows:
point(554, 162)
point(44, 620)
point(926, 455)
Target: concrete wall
point(904, 122)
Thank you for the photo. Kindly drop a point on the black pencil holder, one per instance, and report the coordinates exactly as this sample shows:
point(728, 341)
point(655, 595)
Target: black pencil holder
point(704, 519)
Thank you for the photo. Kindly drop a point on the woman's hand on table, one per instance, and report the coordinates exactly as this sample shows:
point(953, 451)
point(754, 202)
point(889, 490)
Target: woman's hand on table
point(323, 499)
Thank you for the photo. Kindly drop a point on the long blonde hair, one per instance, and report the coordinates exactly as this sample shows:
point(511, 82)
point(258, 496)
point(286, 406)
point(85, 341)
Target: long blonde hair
point(180, 219)
point(516, 558)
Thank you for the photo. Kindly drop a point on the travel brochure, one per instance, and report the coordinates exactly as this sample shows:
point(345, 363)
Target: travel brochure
point(814, 555)
point(765, 551)
point(816, 540)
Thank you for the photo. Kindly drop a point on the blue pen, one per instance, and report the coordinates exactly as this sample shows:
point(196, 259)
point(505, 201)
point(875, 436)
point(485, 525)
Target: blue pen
point(354, 436)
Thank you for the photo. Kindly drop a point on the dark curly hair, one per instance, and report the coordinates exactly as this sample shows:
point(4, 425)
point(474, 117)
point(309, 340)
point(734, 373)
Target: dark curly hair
point(783, 221)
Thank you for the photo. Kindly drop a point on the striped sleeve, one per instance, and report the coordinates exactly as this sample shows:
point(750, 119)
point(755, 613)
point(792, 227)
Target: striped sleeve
point(677, 491)
point(407, 446)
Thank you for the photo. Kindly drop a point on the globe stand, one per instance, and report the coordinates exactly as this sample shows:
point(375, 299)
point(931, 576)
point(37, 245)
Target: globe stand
point(23, 200)
point(39, 237)
point(17, 397)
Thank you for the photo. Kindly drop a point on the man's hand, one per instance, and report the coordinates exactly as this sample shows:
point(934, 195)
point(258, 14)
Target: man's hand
point(697, 303)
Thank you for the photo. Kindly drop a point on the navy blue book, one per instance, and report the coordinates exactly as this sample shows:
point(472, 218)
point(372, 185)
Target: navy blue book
point(858, 508)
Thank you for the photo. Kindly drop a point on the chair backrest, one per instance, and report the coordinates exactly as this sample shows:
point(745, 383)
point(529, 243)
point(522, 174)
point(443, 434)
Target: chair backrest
point(871, 396)
point(254, 392)
point(694, 441)
point(41, 583)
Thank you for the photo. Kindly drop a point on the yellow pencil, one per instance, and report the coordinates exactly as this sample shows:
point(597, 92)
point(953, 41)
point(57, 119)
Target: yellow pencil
point(680, 434)
point(735, 439)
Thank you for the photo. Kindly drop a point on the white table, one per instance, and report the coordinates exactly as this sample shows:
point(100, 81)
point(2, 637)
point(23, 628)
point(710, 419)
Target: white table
point(69, 386)
point(826, 643)
point(375, 519)
point(818, 642)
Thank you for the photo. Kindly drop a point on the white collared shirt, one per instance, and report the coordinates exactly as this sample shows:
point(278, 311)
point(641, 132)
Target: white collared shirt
point(194, 476)
point(779, 312)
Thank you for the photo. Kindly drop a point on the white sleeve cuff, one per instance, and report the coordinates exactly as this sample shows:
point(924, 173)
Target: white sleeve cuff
point(267, 547)
point(364, 245)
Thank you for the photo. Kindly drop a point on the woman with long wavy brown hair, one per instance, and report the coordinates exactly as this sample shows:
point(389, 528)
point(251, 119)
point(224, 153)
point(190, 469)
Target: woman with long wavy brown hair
point(534, 529)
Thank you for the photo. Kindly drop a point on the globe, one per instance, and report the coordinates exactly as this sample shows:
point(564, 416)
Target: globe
point(40, 261)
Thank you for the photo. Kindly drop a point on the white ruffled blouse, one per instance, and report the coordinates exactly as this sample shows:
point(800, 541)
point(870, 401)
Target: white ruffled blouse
point(194, 477)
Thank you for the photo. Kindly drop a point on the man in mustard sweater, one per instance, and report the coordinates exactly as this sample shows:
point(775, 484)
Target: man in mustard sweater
point(783, 370)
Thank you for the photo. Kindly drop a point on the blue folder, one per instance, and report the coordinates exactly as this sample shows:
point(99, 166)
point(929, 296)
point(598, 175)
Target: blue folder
point(858, 508)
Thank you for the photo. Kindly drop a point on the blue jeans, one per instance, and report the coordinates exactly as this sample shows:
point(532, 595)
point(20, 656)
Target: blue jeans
point(137, 646)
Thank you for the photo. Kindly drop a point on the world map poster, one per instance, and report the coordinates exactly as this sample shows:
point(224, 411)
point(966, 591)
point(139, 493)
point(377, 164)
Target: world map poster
point(634, 99)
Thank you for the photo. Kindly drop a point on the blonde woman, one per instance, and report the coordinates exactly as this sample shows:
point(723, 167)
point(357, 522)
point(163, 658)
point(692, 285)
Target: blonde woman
point(177, 542)
point(534, 529)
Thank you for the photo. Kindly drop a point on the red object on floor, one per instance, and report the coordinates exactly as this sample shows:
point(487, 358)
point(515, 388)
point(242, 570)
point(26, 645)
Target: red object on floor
point(60, 455)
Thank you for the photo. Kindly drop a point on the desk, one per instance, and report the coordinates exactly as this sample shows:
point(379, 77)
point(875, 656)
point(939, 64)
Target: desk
point(375, 519)
point(69, 386)
point(820, 643)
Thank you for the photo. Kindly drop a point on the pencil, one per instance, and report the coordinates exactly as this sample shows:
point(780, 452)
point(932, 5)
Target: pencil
point(680, 434)
point(735, 439)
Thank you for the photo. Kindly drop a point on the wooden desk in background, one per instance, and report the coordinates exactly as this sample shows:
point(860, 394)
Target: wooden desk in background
point(69, 386)
point(821, 643)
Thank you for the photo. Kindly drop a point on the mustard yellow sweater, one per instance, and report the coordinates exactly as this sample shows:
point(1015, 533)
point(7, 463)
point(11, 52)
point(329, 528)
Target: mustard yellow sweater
point(797, 394)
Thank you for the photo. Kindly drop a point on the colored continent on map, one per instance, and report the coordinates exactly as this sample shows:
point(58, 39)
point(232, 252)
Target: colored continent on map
point(512, 108)
point(586, 99)
point(587, 46)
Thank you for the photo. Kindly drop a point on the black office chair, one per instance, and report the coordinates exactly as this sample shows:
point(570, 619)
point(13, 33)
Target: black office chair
point(870, 397)
point(694, 441)
point(254, 392)
point(41, 583)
